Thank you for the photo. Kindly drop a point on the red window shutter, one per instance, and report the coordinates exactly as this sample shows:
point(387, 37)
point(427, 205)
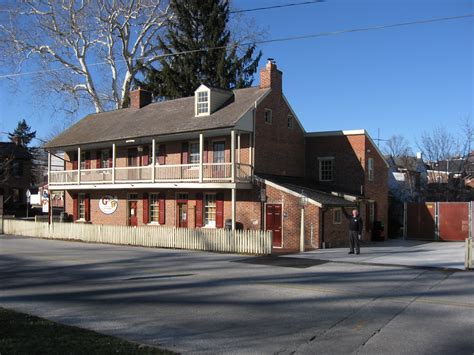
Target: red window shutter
point(98, 159)
point(162, 207)
point(162, 154)
point(87, 207)
point(184, 153)
point(110, 159)
point(199, 211)
point(74, 161)
point(87, 163)
point(145, 208)
point(75, 207)
point(205, 152)
point(145, 156)
point(220, 210)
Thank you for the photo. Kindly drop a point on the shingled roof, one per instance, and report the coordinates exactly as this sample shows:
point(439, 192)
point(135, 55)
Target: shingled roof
point(167, 117)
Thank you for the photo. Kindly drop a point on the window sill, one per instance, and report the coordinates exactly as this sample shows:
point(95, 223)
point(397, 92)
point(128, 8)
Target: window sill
point(83, 221)
point(153, 224)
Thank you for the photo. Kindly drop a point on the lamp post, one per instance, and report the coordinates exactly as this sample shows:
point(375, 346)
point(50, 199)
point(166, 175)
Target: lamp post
point(302, 202)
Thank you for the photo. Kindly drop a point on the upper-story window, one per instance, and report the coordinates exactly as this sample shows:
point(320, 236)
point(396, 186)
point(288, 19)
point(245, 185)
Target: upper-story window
point(326, 169)
point(202, 103)
point(291, 122)
point(193, 153)
point(17, 168)
point(370, 169)
point(104, 158)
point(268, 116)
point(83, 160)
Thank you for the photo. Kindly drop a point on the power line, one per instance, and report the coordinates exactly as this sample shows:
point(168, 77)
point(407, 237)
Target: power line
point(276, 6)
point(283, 39)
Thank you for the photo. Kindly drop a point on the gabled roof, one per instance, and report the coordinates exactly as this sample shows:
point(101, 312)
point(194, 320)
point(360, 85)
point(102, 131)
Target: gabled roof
point(162, 118)
point(12, 150)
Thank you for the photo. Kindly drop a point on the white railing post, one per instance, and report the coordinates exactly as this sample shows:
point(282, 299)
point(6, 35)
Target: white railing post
point(113, 163)
point(238, 148)
point(153, 158)
point(78, 165)
point(49, 169)
point(201, 156)
point(232, 154)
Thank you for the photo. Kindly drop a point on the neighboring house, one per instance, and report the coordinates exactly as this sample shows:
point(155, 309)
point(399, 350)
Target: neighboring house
point(237, 159)
point(15, 177)
point(408, 178)
point(451, 180)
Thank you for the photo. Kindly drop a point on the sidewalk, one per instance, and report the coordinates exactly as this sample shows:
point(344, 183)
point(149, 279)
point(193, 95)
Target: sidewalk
point(409, 253)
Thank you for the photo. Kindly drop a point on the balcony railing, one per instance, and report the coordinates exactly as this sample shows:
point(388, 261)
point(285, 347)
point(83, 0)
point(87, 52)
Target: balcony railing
point(211, 172)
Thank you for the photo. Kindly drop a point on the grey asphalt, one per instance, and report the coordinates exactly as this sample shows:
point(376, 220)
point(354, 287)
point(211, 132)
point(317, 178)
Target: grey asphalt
point(195, 302)
point(410, 253)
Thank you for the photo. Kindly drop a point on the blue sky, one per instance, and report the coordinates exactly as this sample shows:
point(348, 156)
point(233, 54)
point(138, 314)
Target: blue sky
point(403, 80)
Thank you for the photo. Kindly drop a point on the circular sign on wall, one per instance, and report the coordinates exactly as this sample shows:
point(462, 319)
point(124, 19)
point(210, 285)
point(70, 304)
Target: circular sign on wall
point(108, 204)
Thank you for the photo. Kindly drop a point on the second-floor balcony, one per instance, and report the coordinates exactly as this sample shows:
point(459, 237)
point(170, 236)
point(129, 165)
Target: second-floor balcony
point(179, 173)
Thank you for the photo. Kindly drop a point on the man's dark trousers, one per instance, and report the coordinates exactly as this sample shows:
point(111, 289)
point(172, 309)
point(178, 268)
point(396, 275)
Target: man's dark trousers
point(354, 240)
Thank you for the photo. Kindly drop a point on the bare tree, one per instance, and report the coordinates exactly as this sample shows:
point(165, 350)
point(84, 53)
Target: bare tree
point(90, 50)
point(397, 146)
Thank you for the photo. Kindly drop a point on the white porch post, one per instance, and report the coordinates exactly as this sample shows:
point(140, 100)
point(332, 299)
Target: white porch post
point(238, 148)
point(153, 159)
point(49, 170)
point(302, 231)
point(250, 148)
point(79, 165)
point(234, 207)
point(113, 163)
point(201, 156)
point(232, 154)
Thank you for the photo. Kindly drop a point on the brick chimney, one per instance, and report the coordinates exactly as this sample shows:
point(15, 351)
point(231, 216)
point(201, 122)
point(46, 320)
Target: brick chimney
point(271, 77)
point(139, 98)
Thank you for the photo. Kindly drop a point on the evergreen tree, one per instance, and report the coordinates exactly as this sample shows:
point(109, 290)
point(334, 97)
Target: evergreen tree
point(22, 134)
point(195, 26)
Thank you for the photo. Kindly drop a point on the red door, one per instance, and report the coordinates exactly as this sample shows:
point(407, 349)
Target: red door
point(183, 214)
point(132, 213)
point(273, 223)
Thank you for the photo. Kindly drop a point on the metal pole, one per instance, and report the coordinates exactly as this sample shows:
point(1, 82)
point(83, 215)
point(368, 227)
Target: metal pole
point(405, 221)
point(302, 231)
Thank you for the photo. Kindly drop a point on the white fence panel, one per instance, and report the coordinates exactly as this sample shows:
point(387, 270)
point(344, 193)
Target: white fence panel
point(220, 240)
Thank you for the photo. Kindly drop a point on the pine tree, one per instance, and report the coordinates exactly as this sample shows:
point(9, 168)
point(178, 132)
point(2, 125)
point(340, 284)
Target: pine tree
point(22, 134)
point(197, 25)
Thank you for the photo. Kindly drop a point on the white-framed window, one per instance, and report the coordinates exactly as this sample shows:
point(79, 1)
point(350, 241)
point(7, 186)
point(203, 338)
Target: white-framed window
point(370, 169)
point(154, 208)
point(336, 216)
point(202, 103)
point(104, 158)
point(291, 122)
point(268, 115)
point(81, 204)
point(193, 153)
point(210, 209)
point(83, 160)
point(326, 169)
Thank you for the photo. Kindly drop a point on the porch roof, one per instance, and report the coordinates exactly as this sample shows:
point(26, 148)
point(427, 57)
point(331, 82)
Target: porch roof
point(161, 118)
point(298, 186)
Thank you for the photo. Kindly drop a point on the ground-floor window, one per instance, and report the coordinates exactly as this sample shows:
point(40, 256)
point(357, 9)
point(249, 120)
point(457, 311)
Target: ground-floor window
point(336, 216)
point(210, 210)
point(81, 203)
point(154, 204)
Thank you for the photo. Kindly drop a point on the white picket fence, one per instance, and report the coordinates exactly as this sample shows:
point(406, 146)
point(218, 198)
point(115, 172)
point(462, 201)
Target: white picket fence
point(219, 240)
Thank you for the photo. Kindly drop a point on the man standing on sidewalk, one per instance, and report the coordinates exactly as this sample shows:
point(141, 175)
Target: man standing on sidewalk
point(355, 230)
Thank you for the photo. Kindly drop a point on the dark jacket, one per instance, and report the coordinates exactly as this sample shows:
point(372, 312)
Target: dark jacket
point(355, 223)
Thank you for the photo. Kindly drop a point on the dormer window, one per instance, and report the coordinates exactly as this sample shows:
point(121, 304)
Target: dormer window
point(202, 103)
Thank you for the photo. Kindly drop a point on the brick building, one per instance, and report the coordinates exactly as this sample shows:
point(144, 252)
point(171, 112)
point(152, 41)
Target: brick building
point(239, 158)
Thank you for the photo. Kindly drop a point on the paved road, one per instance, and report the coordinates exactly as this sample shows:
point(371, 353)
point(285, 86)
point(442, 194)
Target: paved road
point(194, 302)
